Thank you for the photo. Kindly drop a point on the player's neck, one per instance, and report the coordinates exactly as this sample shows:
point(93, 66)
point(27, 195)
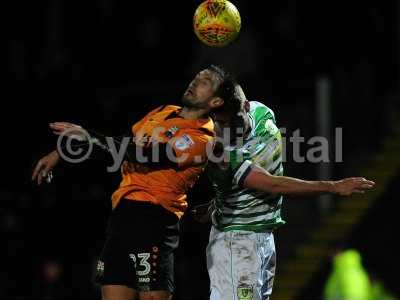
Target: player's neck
point(247, 125)
point(193, 113)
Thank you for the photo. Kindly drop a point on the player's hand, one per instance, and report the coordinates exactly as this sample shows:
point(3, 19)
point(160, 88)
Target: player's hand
point(42, 171)
point(202, 213)
point(353, 185)
point(69, 129)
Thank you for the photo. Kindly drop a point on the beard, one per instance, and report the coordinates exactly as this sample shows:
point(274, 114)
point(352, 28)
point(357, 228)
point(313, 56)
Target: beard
point(193, 103)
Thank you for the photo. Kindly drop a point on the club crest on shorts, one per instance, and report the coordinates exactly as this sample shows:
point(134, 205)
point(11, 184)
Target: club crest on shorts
point(100, 268)
point(245, 292)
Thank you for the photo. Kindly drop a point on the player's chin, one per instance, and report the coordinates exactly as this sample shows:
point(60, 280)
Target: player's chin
point(188, 99)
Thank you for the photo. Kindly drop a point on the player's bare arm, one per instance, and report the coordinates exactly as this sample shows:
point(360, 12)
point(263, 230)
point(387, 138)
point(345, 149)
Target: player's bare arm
point(260, 179)
point(44, 166)
point(43, 169)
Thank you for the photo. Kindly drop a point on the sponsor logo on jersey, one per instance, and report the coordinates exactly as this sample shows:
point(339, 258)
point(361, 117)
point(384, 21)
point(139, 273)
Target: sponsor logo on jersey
point(171, 132)
point(184, 142)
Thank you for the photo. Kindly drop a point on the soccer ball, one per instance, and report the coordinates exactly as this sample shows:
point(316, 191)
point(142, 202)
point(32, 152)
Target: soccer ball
point(216, 22)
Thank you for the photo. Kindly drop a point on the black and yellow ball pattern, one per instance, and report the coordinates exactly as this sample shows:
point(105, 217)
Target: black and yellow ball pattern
point(216, 22)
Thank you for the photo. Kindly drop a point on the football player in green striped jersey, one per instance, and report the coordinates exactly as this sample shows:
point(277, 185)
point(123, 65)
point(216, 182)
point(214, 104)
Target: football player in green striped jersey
point(249, 188)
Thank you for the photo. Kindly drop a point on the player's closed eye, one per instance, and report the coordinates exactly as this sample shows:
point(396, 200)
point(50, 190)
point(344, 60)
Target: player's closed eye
point(205, 82)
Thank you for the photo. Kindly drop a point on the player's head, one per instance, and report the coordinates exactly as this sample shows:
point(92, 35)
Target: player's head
point(234, 115)
point(212, 89)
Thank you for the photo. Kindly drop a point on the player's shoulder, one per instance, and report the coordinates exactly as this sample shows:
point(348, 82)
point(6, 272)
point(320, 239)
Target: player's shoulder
point(262, 120)
point(195, 127)
point(166, 108)
point(207, 128)
point(172, 107)
point(201, 128)
point(259, 111)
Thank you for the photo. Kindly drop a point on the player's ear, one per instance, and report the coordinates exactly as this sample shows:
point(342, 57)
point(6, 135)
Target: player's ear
point(247, 105)
point(216, 102)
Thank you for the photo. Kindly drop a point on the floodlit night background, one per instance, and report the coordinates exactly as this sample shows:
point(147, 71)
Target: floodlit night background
point(104, 64)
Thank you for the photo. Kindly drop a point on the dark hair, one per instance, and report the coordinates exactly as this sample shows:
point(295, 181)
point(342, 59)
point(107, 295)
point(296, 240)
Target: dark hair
point(226, 91)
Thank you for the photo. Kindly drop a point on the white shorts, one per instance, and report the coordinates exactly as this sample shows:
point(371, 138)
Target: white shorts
point(241, 264)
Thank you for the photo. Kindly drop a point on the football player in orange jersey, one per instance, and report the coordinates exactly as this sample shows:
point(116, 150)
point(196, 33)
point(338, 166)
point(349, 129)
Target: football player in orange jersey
point(143, 231)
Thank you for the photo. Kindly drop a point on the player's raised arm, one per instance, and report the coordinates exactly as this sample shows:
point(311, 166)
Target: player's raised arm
point(134, 151)
point(259, 179)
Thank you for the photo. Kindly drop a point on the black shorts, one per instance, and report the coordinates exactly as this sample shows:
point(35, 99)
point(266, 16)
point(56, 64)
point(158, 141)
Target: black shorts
point(139, 248)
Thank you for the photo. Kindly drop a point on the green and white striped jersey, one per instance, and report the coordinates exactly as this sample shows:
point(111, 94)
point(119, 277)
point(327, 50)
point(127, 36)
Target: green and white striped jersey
point(237, 208)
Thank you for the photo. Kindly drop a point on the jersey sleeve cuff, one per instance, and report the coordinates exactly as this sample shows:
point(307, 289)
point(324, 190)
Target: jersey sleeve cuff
point(242, 172)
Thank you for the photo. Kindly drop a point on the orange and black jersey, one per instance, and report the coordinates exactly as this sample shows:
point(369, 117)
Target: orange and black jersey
point(167, 181)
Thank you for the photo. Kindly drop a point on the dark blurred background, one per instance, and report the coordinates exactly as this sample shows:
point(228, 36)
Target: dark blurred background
point(103, 64)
